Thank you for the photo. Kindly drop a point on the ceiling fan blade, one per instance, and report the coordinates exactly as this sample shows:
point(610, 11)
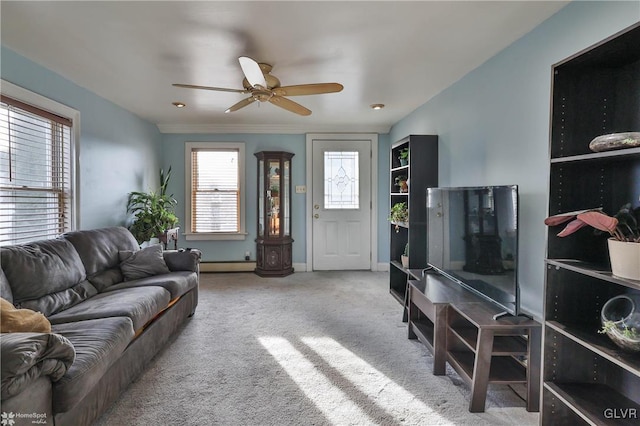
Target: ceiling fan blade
point(243, 103)
point(308, 89)
point(289, 105)
point(252, 71)
point(219, 89)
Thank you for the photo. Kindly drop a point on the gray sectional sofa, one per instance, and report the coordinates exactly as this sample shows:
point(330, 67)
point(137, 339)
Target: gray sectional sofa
point(112, 307)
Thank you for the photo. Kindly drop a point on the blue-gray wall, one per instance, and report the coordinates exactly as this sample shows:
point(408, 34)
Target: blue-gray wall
point(118, 151)
point(493, 124)
point(173, 155)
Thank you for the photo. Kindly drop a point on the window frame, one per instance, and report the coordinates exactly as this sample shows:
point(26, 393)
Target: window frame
point(215, 236)
point(41, 102)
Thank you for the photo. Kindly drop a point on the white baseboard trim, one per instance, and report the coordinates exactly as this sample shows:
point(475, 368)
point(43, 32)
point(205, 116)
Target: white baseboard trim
point(299, 267)
point(302, 267)
point(240, 266)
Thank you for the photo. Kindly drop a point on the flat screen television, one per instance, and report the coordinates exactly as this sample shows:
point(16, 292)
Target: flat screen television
point(472, 239)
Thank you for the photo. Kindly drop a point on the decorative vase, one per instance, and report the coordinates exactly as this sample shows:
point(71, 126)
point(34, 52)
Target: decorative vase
point(405, 261)
point(625, 259)
point(615, 141)
point(620, 317)
point(403, 162)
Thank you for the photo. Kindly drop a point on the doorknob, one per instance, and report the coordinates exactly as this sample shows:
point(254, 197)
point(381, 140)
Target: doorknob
point(316, 215)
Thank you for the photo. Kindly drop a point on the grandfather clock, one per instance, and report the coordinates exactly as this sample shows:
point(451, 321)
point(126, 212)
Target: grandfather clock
point(273, 251)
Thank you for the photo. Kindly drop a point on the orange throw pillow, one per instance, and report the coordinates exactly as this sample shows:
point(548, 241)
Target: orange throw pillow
point(14, 320)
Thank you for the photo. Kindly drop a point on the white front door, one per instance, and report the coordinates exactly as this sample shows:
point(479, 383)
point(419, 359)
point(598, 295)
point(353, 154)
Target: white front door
point(341, 204)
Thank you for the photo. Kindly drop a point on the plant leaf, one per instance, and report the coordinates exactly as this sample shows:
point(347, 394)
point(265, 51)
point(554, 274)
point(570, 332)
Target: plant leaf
point(561, 218)
point(599, 221)
point(572, 227)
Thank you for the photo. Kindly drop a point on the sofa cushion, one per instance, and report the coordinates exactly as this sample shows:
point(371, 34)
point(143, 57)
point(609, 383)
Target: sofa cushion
point(141, 304)
point(142, 263)
point(98, 249)
point(5, 288)
point(98, 344)
point(181, 260)
point(177, 283)
point(45, 276)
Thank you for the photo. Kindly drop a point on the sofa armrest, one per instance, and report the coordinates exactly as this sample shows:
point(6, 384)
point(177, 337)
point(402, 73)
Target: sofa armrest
point(28, 356)
point(182, 260)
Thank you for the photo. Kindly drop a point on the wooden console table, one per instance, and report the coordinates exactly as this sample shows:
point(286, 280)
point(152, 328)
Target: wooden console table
point(458, 327)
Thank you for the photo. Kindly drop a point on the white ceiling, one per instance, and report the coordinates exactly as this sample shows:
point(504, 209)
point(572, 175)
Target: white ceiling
point(397, 53)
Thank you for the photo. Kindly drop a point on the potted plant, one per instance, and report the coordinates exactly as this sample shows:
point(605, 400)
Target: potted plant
point(404, 258)
point(399, 214)
point(153, 212)
point(401, 182)
point(624, 244)
point(403, 156)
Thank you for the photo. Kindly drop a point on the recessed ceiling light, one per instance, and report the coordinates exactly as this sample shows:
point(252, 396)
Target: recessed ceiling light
point(179, 104)
point(377, 106)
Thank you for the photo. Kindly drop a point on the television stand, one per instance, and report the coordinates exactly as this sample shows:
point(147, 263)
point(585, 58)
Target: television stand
point(459, 327)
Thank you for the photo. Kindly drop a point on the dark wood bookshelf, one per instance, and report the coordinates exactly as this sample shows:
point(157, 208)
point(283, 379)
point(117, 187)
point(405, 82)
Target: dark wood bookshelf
point(587, 379)
point(422, 172)
point(594, 404)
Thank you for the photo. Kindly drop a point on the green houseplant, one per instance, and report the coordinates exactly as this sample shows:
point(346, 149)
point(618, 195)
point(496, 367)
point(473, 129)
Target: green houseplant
point(399, 214)
point(403, 156)
point(404, 258)
point(153, 212)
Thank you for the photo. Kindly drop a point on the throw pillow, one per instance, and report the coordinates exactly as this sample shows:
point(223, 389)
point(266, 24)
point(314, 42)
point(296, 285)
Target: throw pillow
point(14, 320)
point(143, 263)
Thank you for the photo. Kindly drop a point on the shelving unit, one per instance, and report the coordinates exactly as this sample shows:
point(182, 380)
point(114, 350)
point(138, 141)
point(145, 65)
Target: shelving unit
point(459, 327)
point(422, 173)
point(484, 351)
point(587, 379)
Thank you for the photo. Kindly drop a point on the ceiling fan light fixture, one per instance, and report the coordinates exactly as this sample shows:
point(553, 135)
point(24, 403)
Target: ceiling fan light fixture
point(263, 87)
point(377, 106)
point(179, 104)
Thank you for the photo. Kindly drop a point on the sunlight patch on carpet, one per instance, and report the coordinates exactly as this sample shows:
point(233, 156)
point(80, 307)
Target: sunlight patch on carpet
point(384, 392)
point(334, 404)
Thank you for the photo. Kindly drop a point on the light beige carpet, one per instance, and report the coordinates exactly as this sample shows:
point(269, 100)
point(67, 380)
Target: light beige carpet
point(321, 348)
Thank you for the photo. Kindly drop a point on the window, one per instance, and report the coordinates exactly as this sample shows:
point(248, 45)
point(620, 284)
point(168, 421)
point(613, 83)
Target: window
point(341, 186)
point(215, 183)
point(36, 169)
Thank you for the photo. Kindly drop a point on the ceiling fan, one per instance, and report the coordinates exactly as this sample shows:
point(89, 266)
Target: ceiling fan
point(265, 87)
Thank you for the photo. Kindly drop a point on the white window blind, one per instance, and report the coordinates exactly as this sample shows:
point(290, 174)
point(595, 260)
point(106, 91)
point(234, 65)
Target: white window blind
point(35, 173)
point(215, 191)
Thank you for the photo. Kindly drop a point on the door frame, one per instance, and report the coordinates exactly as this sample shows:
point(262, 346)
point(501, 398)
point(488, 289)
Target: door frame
point(373, 137)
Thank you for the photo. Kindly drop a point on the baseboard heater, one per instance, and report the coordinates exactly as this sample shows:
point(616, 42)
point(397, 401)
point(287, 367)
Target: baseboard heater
point(237, 266)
